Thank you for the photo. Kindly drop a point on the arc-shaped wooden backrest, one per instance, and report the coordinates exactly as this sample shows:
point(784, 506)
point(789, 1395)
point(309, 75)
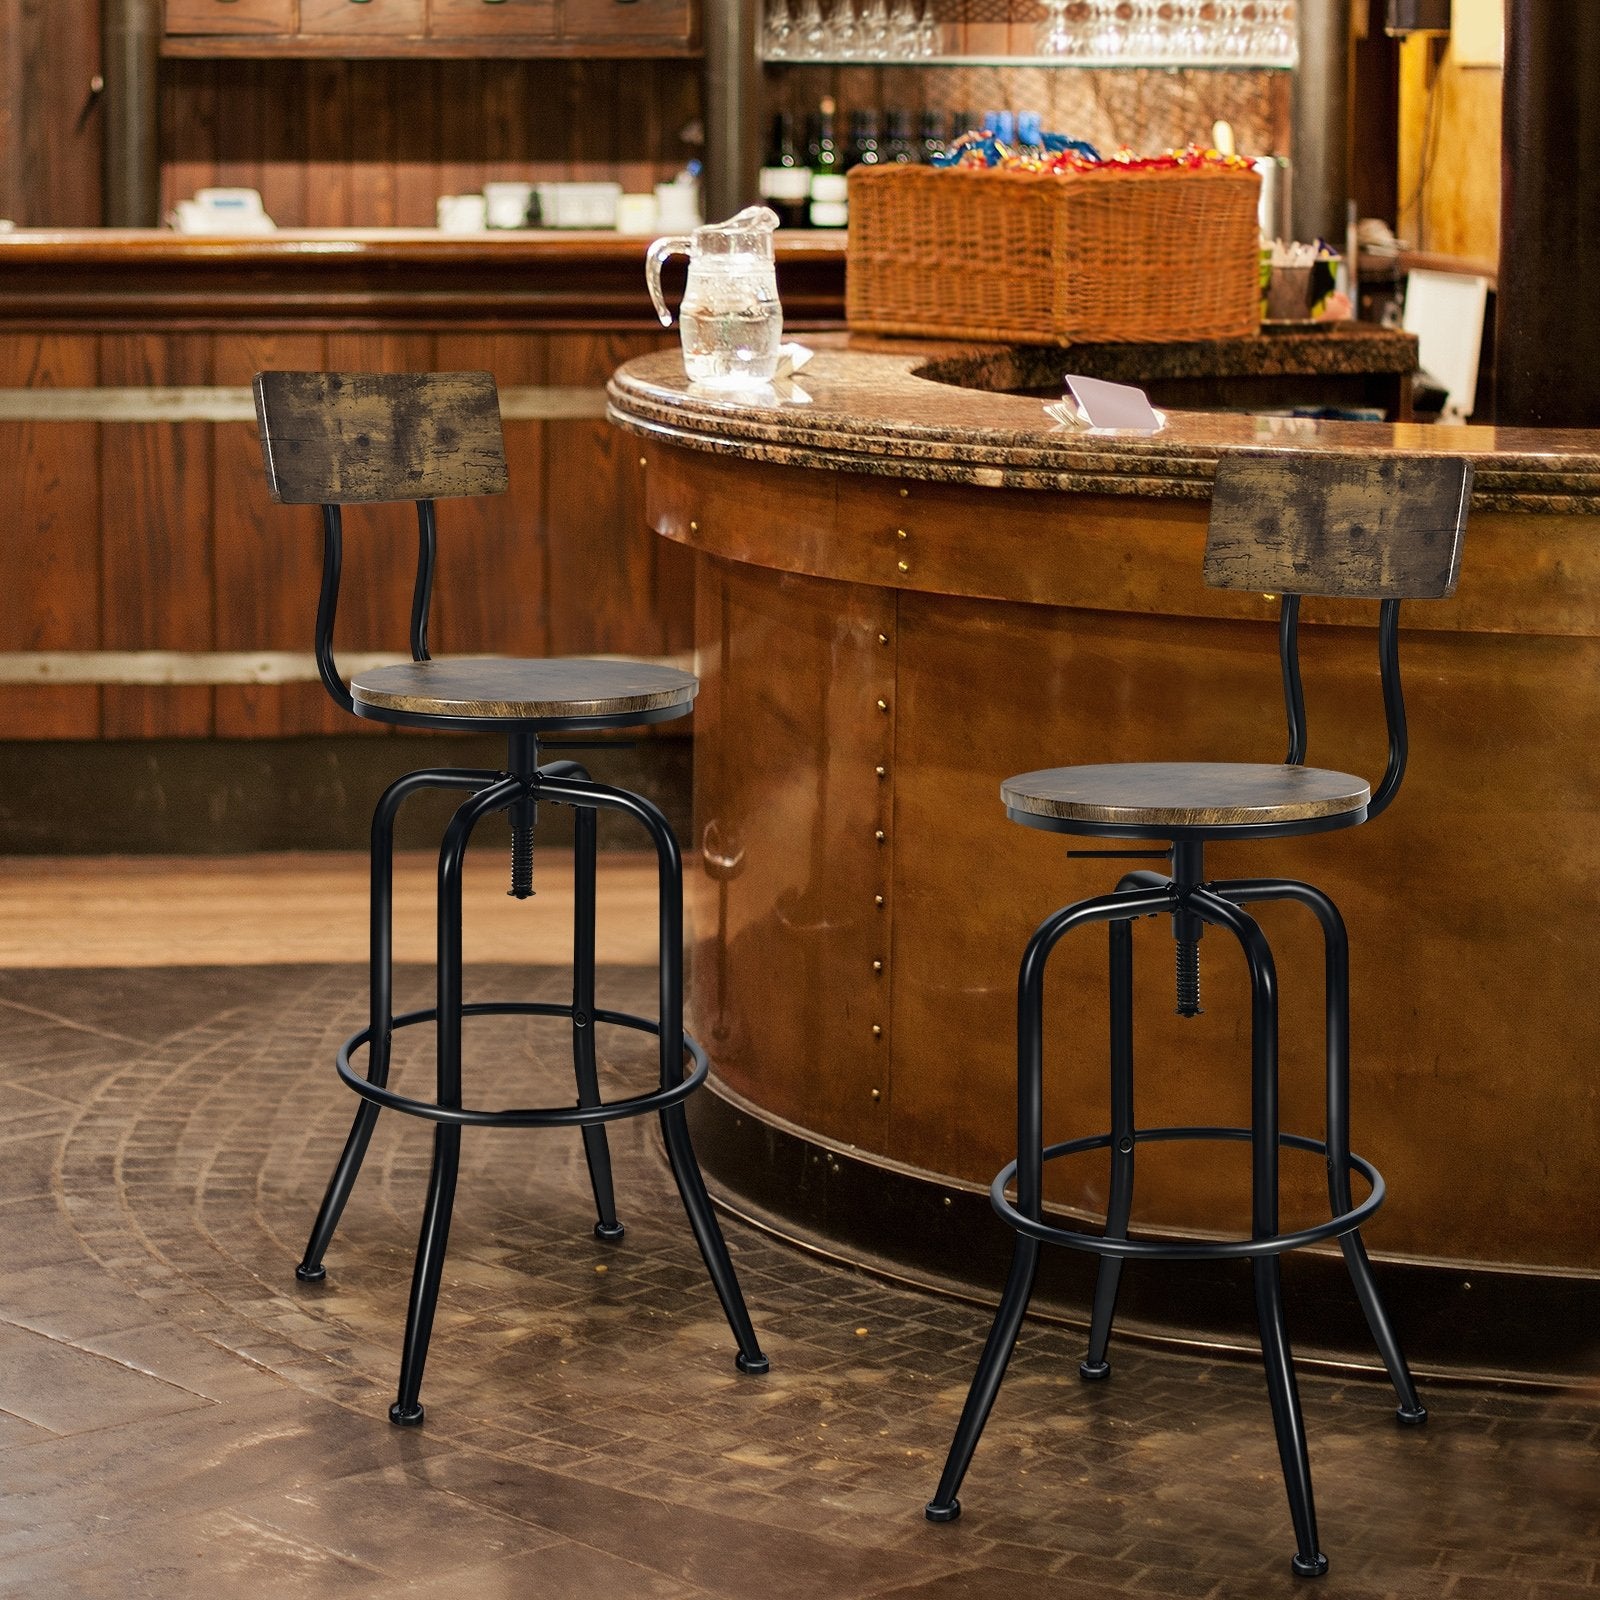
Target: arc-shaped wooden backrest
point(1377, 527)
point(347, 438)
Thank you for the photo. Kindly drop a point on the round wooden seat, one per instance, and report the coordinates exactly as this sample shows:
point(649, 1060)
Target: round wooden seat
point(502, 689)
point(1185, 794)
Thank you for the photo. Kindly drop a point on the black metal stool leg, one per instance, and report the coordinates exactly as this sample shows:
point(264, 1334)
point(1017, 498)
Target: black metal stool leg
point(1336, 990)
point(1287, 1420)
point(1002, 1340)
point(992, 1364)
point(674, 1124)
point(595, 1149)
point(435, 1234)
point(1120, 1201)
point(381, 985)
point(713, 1247)
point(1288, 1423)
point(1410, 1411)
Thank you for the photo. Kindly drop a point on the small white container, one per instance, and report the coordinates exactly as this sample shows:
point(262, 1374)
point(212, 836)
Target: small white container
point(579, 205)
point(506, 204)
point(461, 213)
point(637, 213)
point(678, 204)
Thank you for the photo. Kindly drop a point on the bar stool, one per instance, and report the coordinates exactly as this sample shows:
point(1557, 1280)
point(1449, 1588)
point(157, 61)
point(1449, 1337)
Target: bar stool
point(338, 439)
point(1372, 527)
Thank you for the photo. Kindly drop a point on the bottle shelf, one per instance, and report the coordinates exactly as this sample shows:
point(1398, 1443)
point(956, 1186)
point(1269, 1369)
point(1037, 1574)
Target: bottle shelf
point(1085, 63)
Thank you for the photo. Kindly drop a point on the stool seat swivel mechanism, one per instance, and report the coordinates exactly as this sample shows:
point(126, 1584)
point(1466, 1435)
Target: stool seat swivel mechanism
point(1379, 528)
point(336, 439)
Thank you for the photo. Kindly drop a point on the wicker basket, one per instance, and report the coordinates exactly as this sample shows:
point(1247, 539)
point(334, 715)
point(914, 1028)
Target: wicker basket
point(1103, 256)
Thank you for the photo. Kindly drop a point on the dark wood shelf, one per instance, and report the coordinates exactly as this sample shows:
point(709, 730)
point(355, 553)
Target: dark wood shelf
point(377, 47)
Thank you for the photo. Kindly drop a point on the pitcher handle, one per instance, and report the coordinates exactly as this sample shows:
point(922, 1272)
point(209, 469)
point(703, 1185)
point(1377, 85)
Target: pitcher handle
point(681, 245)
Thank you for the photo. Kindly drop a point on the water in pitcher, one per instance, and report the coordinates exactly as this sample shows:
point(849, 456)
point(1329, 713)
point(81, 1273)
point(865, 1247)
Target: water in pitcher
point(735, 348)
point(730, 320)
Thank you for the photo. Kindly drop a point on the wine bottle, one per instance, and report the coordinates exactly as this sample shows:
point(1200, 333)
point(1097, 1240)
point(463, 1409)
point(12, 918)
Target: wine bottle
point(900, 147)
point(935, 134)
point(830, 192)
point(865, 148)
point(785, 180)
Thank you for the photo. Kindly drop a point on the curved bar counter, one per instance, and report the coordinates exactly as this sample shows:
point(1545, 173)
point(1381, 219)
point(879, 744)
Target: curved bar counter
point(912, 586)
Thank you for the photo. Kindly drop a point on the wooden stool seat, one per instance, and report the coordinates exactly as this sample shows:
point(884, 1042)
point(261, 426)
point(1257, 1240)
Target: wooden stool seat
point(505, 689)
point(1185, 794)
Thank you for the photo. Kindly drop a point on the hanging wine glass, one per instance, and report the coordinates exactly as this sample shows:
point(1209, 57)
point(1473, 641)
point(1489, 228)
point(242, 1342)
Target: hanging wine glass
point(844, 32)
point(1065, 29)
point(810, 31)
point(873, 42)
point(777, 36)
point(903, 30)
point(1108, 32)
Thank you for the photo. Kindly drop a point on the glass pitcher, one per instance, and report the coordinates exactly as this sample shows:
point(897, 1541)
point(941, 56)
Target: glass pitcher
point(730, 320)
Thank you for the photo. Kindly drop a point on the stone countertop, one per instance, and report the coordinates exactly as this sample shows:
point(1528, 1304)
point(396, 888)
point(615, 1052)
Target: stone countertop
point(942, 413)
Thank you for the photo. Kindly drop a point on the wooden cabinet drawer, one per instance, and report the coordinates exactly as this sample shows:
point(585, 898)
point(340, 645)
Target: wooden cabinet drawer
point(603, 20)
point(492, 19)
point(353, 18)
point(230, 16)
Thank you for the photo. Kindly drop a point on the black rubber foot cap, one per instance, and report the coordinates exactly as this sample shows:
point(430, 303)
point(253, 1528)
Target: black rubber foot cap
point(1094, 1371)
point(754, 1365)
point(935, 1512)
point(1314, 1568)
point(1409, 1418)
point(402, 1418)
point(609, 1232)
point(310, 1274)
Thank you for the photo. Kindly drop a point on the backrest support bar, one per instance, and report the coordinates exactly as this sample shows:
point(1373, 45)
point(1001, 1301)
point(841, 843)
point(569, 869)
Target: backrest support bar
point(346, 438)
point(1377, 527)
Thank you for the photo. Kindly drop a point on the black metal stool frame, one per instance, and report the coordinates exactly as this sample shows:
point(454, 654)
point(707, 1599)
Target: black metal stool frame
point(302, 467)
point(1191, 901)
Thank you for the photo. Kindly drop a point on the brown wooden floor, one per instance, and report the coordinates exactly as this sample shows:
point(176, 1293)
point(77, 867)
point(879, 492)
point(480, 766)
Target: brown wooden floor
point(152, 911)
point(178, 1417)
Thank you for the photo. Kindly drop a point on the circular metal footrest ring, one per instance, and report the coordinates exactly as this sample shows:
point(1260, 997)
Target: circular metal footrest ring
point(1186, 1249)
point(532, 1116)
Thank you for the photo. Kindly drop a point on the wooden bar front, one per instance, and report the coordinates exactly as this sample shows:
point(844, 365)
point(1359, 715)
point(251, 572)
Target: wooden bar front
point(907, 592)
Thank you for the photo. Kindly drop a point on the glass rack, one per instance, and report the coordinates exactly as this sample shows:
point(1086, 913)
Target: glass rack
point(1255, 35)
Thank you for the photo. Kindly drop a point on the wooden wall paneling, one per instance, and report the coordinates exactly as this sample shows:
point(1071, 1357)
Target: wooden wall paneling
point(50, 558)
point(503, 111)
point(605, 563)
point(268, 558)
point(380, 542)
point(1449, 190)
point(188, 129)
point(281, 141)
point(244, 111)
point(591, 142)
point(637, 102)
point(50, 126)
point(155, 535)
point(335, 144)
point(414, 88)
point(458, 147)
point(12, 120)
point(324, 91)
point(682, 109)
point(370, 146)
point(492, 584)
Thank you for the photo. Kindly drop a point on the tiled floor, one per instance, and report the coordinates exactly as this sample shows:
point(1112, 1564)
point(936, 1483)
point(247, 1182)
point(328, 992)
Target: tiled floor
point(179, 1418)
